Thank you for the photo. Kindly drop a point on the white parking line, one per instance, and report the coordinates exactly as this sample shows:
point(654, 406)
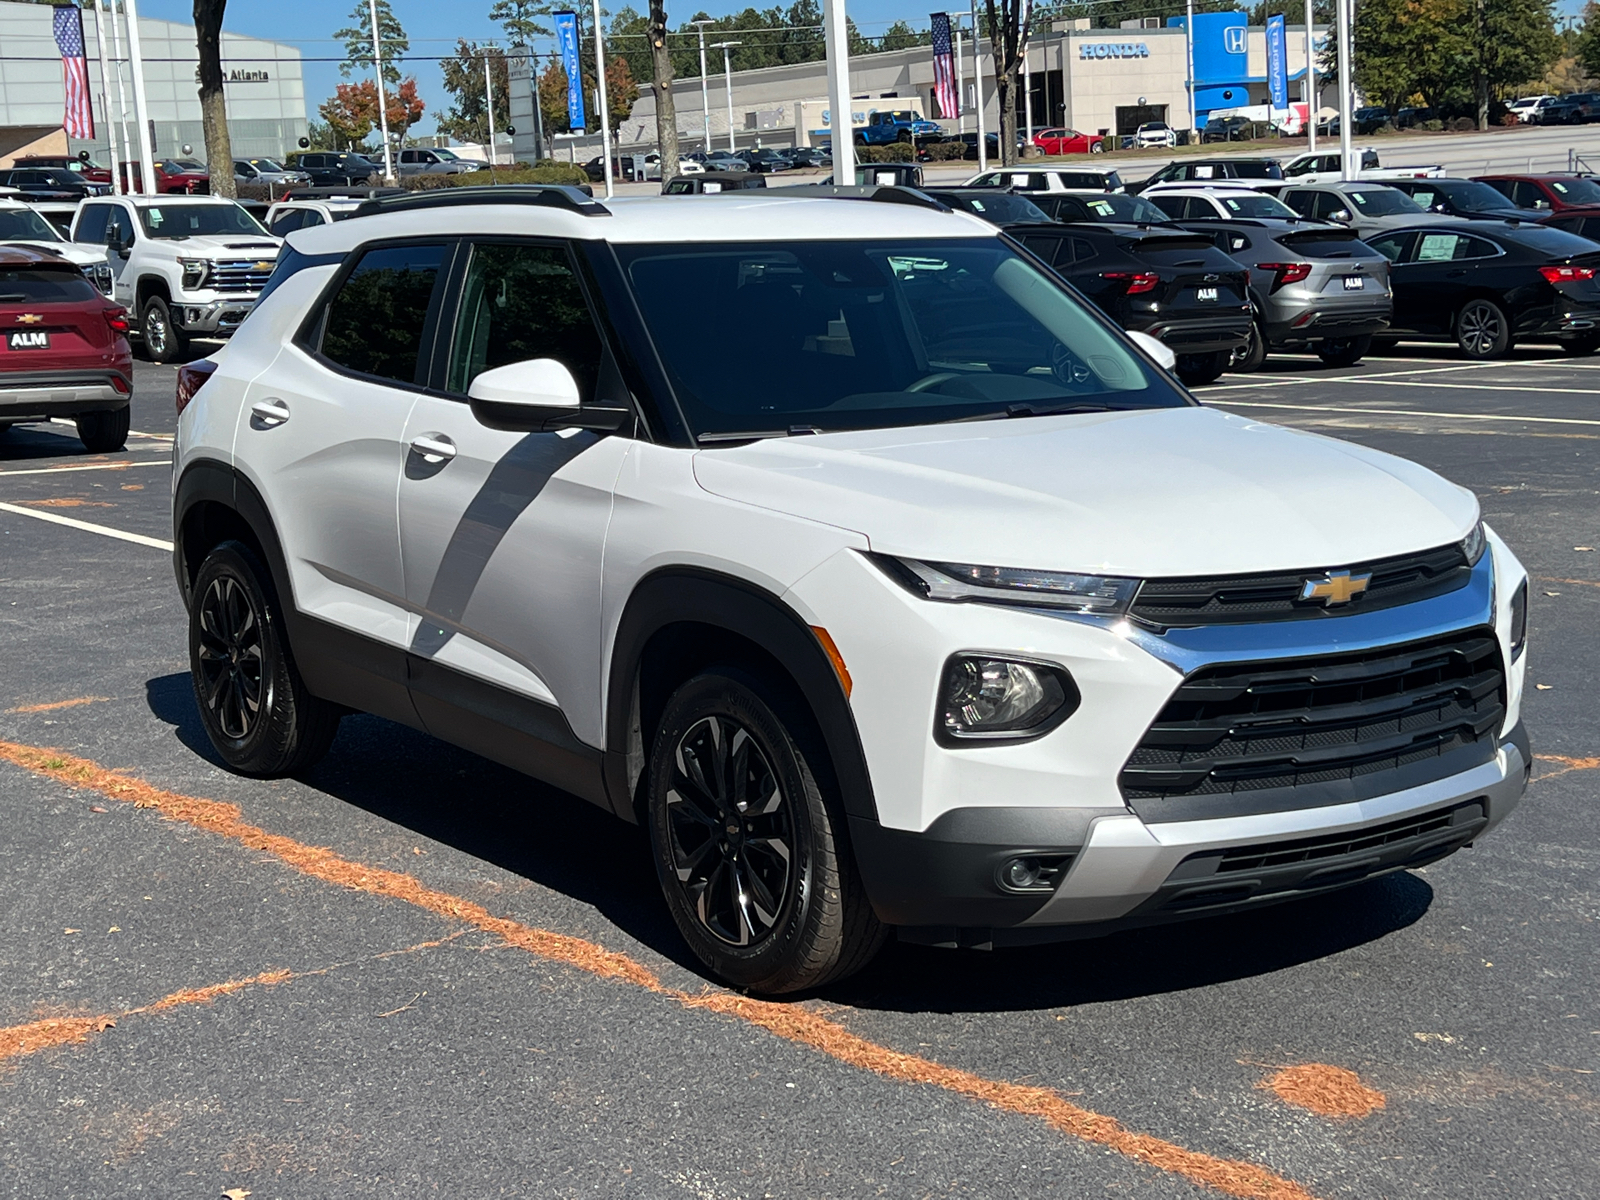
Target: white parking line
point(1406, 412)
point(116, 466)
point(137, 539)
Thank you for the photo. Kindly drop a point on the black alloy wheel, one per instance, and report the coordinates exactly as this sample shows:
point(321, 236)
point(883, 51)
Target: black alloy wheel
point(255, 708)
point(750, 843)
point(1482, 331)
point(1196, 369)
point(1253, 353)
point(1344, 352)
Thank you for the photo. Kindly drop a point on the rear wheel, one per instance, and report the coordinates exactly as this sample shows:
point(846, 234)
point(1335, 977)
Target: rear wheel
point(162, 341)
point(103, 432)
point(1344, 352)
point(1196, 369)
point(1096, 148)
point(1481, 330)
point(1254, 352)
point(252, 701)
point(750, 845)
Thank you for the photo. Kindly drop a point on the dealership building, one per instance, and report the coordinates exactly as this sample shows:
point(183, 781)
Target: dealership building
point(1098, 81)
point(265, 93)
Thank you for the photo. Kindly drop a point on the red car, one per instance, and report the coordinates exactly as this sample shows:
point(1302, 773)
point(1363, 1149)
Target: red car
point(65, 350)
point(91, 171)
point(171, 176)
point(1551, 192)
point(1065, 141)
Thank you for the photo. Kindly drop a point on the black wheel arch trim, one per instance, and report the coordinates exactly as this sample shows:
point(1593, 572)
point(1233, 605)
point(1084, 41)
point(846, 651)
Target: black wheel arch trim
point(692, 595)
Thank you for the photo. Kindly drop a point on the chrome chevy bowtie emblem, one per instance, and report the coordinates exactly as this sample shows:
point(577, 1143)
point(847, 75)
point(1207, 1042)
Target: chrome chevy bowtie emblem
point(1336, 587)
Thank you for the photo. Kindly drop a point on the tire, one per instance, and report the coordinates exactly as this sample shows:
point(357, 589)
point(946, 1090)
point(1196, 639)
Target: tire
point(1482, 331)
point(1254, 352)
point(1581, 346)
point(1096, 148)
point(252, 701)
point(162, 341)
point(777, 905)
point(1344, 352)
point(104, 432)
point(1196, 369)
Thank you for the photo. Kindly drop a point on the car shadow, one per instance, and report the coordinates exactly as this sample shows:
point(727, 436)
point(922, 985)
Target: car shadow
point(23, 443)
point(572, 847)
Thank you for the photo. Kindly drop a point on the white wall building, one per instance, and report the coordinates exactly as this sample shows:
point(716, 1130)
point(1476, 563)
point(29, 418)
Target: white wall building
point(263, 85)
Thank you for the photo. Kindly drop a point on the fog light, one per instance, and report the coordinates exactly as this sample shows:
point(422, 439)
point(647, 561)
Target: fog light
point(1034, 872)
point(998, 698)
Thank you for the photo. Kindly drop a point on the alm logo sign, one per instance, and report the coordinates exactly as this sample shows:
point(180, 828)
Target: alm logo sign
point(1233, 39)
point(1087, 50)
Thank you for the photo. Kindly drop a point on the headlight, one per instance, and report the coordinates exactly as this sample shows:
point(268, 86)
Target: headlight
point(194, 272)
point(1104, 594)
point(1473, 544)
point(986, 699)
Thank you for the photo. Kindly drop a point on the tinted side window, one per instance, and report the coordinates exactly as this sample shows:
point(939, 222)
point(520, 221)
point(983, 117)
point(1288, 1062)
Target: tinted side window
point(1171, 205)
point(1083, 250)
point(520, 302)
point(374, 324)
point(1476, 247)
point(1529, 195)
point(92, 224)
point(1503, 186)
point(1591, 228)
point(287, 221)
point(1392, 246)
point(1300, 202)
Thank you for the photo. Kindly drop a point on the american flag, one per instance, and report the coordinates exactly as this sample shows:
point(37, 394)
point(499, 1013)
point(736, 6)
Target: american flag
point(944, 67)
point(68, 23)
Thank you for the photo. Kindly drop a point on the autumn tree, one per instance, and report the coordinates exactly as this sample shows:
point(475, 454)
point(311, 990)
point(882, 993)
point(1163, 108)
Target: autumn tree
point(467, 116)
point(357, 39)
point(352, 111)
point(213, 104)
point(1508, 42)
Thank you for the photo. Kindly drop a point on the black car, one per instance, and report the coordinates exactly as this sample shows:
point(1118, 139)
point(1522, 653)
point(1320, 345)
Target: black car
point(1173, 285)
point(333, 168)
point(807, 156)
point(709, 183)
point(991, 143)
point(996, 207)
point(1587, 104)
point(1464, 198)
point(1411, 116)
point(1212, 170)
point(1226, 129)
point(1112, 208)
point(766, 160)
point(1490, 285)
point(1369, 120)
point(51, 183)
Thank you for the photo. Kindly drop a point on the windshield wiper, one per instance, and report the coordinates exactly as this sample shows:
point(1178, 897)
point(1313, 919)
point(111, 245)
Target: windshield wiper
point(1035, 410)
point(711, 439)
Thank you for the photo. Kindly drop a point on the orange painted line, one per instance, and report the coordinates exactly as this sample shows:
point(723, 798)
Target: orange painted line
point(1324, 1090)
point(53, 705)
point(1568, 764)
point(794, 1023)
point(1579, 582)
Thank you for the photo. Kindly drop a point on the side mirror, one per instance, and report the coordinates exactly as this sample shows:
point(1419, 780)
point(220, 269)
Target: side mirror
point(1342, 214)
point(537, 396)
point(1155, 348)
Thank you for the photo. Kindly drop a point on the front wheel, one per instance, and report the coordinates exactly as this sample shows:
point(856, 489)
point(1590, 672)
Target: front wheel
point(252, 701)
point(162, 341)
point(1344, 352)
point(750, 845)
point(1096, 148)
point(1196, 369)
point(1481, 330)
point(103, 432)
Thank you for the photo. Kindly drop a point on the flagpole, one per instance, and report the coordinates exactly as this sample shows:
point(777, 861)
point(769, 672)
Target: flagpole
point(141, 109)
point(105, 101)
point(122, 93)
point(383, 100)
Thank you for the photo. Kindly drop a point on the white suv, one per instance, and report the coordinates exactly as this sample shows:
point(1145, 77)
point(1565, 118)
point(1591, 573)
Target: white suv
point(927, 602)
point(184, 266)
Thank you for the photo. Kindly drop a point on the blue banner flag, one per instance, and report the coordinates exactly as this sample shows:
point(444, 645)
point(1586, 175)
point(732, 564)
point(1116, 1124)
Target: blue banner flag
point(567, 39)
point(1277, 63)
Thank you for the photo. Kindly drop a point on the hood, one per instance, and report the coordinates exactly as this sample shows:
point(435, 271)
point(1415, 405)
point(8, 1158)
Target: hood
point(1168, 492)
point(233, 245)
point(71, 251)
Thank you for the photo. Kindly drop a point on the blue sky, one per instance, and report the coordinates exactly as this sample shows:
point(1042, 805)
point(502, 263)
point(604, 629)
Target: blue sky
point(433, 28)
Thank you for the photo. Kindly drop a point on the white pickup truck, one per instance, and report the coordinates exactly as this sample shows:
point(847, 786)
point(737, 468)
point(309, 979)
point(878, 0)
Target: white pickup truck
point(184, 266)
point(1322, 166)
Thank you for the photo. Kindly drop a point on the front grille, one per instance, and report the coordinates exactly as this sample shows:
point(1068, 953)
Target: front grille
point(1261, 737)
point(1234, 599)
point(243, 275)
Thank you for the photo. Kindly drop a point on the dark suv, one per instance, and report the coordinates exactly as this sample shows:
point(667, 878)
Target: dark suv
point(1172, 284)
point(331, 169)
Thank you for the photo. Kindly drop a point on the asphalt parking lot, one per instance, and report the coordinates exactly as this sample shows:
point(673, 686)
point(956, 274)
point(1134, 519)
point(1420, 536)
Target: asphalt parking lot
point(416, 973)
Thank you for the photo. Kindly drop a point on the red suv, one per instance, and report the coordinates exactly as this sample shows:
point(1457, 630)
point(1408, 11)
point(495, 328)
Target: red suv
point(65, 351)
point(171, 176)
point(91, 171)
point(1549, 192)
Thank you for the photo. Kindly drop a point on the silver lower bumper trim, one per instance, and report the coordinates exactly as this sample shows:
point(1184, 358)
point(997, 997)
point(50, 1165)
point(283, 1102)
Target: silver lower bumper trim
point(1124, 862)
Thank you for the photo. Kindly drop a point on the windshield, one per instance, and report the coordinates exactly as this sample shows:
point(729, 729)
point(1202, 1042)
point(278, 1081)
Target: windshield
point(58, 176)
point(1576, 191)
point(1468, 195)
point(265, 164)
point(867, 335)
point(1383, 202)
point(1256, 205)
point(25, 225)
point(1115, 206)
point(190, 220)
point(1244, 168)
point(1001, 208)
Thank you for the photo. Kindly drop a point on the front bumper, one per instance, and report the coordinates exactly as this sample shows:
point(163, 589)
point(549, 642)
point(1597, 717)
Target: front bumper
point(215, 318)
point(39, 395)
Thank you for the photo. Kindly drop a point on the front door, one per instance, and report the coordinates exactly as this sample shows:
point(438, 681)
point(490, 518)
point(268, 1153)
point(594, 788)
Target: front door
point(501, 533)
point(319, 431)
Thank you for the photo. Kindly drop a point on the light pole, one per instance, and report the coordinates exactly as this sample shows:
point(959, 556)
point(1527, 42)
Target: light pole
point(727, 75)
point(1311, 84)
point(841, 121)
point(488, 99)
point(1027, 76)
point(141, 107)
point(600, 87)
point(977, 89)
point(705, 94)
point(383, 101)
point(1188, 50)
point(1342, 32)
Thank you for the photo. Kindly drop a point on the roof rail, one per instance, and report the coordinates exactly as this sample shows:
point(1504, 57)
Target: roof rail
point(363, 192)
point(543, 195)
point(881, 193)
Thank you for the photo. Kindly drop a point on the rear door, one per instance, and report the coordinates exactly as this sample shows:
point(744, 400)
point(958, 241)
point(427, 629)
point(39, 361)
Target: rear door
point(501, 533)
point(1435, 273)
point(52, 320)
